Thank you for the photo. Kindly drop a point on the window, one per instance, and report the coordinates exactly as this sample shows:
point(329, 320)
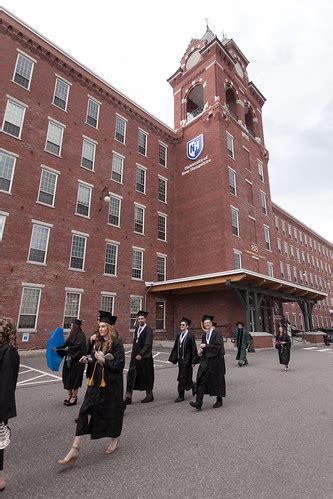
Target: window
point(230, 146)
point(135, 306)
point(279, 246)
point(47, 187)
point(161, 268)
point(267, 238)
point(282, 269)
point(93, 113)
point(3, 216)
point(277, 224)
point(120, 130)
point(295, 234)
point(160, 315)
point(301, 237)
point(288, 272)
point(162, 189)
point(290, 231)
point(117, 168)
point(283, 225)
point(249, 192)
point(29, 307)
point(107, 302)
point(261, 170)
point(301, 277)
point(315, 245)
point(7, 167)
point(88, 154)
point(232, 181)
point(111, 255)
point(234, 221)
point(13, 119)
point(237, 259)
point(23, 70)
point(298, 255)
point(54, 138)
point(78, 252)
point(114, 210)
point(137, 263)
point(139, 216)
point(270, 269)
point(292, 252)
point(161, 227)
point(38, 243)
point(72, 308)
point(83, 200)
point(162, 154)
point(303, 257)
point(295, 274)
point(247, 161)
point(263, 203)
point(310, 242)
point(286, 250)
point(140, 178)
point(61, 91)
point(142, 142)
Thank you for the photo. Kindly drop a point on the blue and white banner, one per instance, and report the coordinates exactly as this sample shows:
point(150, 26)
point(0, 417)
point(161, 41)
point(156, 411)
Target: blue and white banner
point(194, 147)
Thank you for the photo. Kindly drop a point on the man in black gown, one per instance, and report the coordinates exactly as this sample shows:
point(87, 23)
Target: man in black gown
point(140, 374)
point(184, 353)
point(210, 377)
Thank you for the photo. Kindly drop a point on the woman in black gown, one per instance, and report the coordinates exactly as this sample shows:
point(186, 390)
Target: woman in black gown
point(102, 411)
point(283, 344)
point(73, 349)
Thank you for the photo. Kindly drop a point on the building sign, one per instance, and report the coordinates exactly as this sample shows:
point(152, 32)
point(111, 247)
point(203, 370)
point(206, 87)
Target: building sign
point(194, 147)
point(25, 337)
point(196, 165)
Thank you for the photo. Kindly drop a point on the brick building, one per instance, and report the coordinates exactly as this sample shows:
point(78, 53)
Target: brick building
point(103, 206)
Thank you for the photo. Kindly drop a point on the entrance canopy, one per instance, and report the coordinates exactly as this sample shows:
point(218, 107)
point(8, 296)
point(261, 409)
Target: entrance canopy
point(241, 278)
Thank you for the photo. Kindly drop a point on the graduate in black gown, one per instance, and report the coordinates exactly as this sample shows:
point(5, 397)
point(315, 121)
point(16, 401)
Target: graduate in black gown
point(73, 349)
point(283, 344)
point(9, 368)
point(184, 353)
point(102, 411)
point(211, 372)
point(140, 374)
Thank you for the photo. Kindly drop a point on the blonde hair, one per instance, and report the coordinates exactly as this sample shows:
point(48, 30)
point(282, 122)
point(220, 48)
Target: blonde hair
point(7, 332)
point(106, 345)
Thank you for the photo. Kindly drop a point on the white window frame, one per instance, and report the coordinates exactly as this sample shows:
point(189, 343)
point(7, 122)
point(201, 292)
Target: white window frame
point(290, 231)
point(289, 272)
point(139, 307)
point(23, 107)
point(144, 170)
point(236, 212)
point(286, 249)
point(37, 223)
point(119, 117)
point(68, 84)
point(270, 269)
point(140, 130)
point(115, 155)
point(85, 237)
point(116, 245)
point(3, 216)
point(239, 255)
point(282, 274)
point(268, 243)
point(231, 150)
point(141, 251)
point(98, 112)
point(165, 217)
point(232, 181)
point(94, 144)
point(119, 198)
point(90, 187)
point(45, 168)
point(277, 225)
point(261, 171)
point(29, 286)
point(142, 209)
point(107, 294)
point(164, 314)
point(164, 258)
point(72, 291)
point(161, 144)
point(263, 202)
point(165, 180)
point(14, 156)
point(56, 123)
point(33, 61)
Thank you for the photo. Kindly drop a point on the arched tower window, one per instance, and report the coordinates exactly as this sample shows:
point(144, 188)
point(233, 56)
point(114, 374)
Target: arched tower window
point(230, 100)
point(249, 120)
point(195, 102)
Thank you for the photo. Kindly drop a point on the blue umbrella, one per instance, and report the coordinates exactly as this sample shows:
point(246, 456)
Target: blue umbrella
point(53, 360)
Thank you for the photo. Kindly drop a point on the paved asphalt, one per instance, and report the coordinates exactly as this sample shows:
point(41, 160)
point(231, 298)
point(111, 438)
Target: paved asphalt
point(271, 439)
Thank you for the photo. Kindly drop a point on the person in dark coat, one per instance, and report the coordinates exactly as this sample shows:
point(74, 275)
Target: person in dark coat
point(211, 372)
point(9, 369)
point(140, 374)
point(243, 340)
point(73, 349)
point(184, 353)
point(102, 411)
point(283, 344)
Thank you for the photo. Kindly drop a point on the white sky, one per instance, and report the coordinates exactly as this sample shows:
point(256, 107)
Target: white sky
point(137, 45)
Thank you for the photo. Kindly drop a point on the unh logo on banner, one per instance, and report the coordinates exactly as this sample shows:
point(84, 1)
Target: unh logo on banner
point(194, 147)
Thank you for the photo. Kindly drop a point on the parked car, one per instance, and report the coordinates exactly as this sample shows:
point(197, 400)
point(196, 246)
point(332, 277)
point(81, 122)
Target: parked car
point(328, 335)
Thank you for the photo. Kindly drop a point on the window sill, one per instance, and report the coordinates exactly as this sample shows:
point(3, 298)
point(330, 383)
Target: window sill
point(76, 270)
point(162, 240)
point(21, 86)
point(6, 192)
point(91, 126)
point(141, 154)
point(235, 235)
point(58, 107)
point(139, 233)
point(88, 217)
point(26, 330)
point(137, 279)
point(119, 142)
point(45, 204)
point(40, 264)
point(141, 192)
point(112, 225)
point(88, 169)
point(53, 153)
point(10, 135)
point(109, 275)
point(117, 181)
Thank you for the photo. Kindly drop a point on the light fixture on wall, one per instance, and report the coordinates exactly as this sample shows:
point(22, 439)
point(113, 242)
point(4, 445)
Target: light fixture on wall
point(105, 196)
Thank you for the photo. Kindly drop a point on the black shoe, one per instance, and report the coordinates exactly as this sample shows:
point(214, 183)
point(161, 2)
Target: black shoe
point(246, 363)
point(147, 399)
point(196, 406)
point(240, 364)
point(73, 401)
point(127, 401)
point(179, 399)
point(76, 420)
point(217, 404)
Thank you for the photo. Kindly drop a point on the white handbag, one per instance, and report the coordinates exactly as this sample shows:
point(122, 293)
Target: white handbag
point(4, 435)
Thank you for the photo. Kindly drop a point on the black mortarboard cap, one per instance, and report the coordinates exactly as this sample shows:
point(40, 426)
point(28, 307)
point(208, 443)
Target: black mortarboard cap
point(240, 322)
point(142, 312)
point(207, 318)
point(184, 319)
point(77, 321)
point(108, 318)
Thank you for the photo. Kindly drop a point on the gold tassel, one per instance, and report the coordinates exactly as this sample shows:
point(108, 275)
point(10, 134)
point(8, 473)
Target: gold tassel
point(91, 380)
point(103, 384)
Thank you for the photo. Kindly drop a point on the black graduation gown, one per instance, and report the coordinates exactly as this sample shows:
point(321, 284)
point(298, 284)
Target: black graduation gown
point(9, 369)
point(211, 370)
point(72, 370)
point(184, 354)
point(283, 350)
point(140, 374)
point(243, 339)
point(104, 405)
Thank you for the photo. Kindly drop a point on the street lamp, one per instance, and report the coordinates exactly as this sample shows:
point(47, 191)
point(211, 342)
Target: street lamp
point(105, 196)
